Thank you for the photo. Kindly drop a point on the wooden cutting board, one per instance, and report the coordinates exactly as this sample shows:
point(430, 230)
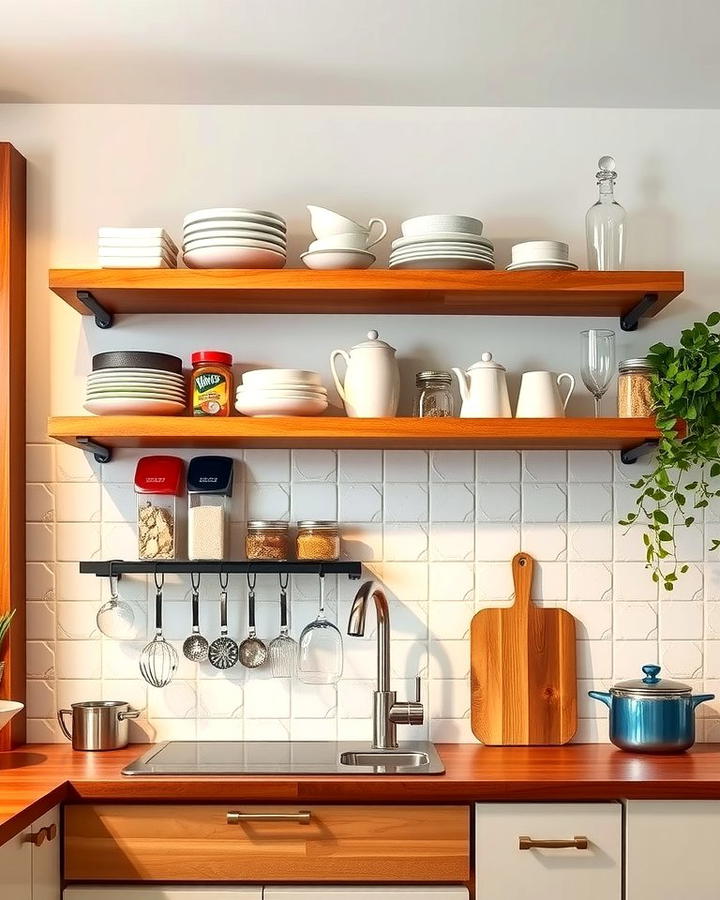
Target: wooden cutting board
point(523, 679)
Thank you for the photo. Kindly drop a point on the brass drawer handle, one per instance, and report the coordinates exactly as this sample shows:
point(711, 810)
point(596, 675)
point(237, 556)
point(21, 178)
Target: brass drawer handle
point(579, 842)
point(302, 817)
point(47, 833)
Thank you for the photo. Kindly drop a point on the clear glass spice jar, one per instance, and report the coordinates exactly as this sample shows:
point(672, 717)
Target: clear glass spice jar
point(267, 539)
point(635, 388)
point(209, 484)
point(434, 398)
point(318, 540)
point(158, 484)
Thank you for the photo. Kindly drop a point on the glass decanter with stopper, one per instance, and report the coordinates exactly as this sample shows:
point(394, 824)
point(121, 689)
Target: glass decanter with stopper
point(605, 222)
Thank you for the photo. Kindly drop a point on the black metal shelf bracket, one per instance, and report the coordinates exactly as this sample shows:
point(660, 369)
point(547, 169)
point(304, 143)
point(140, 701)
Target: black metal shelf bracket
point(103, 319)
point(101, 453)
point(118, 567)
point(629, 322)
point(633, 454)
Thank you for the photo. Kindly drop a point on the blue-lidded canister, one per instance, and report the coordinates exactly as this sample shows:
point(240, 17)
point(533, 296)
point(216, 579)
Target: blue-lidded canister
point(651, 714)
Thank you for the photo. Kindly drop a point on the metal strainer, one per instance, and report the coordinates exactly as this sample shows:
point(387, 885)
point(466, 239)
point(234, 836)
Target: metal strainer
point(253, 652)
point(159, 659)
point(223, 652)
point(195, 647)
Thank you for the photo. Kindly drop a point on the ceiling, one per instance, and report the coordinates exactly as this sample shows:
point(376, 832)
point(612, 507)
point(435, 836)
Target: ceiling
point(586, 53)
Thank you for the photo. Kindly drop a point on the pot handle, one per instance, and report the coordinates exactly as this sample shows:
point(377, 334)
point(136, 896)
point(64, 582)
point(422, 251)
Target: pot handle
point(701, 698)
point(338, 384)
point(130, 714)
point(61, 719)
point(602, 696)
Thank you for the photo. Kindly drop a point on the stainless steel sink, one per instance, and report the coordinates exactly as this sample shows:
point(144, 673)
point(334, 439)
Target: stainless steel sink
point(286, 758)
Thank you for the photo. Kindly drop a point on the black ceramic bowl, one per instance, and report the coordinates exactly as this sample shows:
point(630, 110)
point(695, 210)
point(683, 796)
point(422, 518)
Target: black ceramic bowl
point(136, 359)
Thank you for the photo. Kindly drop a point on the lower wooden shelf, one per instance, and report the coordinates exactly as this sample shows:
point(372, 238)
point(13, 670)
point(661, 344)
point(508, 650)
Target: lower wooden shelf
point(344, 433)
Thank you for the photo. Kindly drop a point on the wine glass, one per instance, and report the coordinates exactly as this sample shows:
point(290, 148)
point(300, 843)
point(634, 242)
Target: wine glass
point(597, 363)
point(320, 655)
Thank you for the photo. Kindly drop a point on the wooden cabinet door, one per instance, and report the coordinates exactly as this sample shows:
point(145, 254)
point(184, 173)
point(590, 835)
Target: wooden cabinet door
point(16, 868)
point(162, 892)
point(504, 871)
point(371, 892)
point(671, 849)
point(46, 857)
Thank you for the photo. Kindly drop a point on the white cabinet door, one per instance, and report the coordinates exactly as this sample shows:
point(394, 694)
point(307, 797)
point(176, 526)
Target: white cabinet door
point(16, 867)
point(672, 849)
point(372, 892)
point(503, 871)
point(158, 892)
point(46, 857)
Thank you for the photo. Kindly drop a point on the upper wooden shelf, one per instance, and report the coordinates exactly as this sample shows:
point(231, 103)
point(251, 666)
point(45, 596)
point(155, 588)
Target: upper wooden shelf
point(344, 433)
point(107, 292)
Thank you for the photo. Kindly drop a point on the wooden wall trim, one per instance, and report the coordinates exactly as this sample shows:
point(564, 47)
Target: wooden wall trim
point(12, 427)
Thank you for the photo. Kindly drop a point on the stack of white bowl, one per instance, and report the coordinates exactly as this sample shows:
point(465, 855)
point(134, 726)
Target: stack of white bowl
point(442, 242)
point(281, 392)
point(232, 238)
point(540, 255)
point(341, 243)
point(136, 248)
point(135, 383)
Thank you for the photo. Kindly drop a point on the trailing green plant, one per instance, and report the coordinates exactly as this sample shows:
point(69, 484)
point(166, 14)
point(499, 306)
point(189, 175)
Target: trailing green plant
point(5, 622)
point(686, 393)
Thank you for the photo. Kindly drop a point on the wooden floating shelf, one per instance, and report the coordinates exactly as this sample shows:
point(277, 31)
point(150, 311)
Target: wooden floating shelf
point(373, 291)
point(344, 433)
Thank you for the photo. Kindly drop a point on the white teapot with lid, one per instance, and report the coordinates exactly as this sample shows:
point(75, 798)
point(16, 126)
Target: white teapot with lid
point(371, 388)
point(486, 395)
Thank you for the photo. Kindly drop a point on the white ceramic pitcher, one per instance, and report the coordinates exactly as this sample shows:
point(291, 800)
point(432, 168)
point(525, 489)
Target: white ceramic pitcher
point(486, 396)
point(371, 387)
point(540, 398)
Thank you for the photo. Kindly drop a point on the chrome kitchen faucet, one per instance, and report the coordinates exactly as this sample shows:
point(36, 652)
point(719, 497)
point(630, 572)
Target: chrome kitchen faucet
point(388, 713)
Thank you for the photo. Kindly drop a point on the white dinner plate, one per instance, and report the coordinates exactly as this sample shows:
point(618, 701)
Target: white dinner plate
point(233, 258)
point(136, 384)
point(220, 235)
point(443, 248)
point(133, 406)
point(202, 243)
point(442, 262)
point(299, 406)
point(119, 391)
point(234, 214)
point(439, 236)
point(258, 395)
point(131, 370)
point(395, 259)
point(405, 254)
point(541, 264)
point(125, 374)
point(267, 377)
point(284, 386)
point(202, 228)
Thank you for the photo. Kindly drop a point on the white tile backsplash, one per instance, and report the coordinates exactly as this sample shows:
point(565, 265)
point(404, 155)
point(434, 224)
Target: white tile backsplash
point(438, 529)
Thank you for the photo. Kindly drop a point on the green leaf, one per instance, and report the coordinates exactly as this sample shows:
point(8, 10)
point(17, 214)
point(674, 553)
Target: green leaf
point(660, 516)
point(713, 319)
point(684, 569)
point(668, 585)
point(665, 536)
point(689, 521)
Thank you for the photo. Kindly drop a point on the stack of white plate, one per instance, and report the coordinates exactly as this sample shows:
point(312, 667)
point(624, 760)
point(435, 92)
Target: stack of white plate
point(442, 242)
point(135, 383)
point(233, 238)
point(540, 255)
point(136, 248)
point(281, 392)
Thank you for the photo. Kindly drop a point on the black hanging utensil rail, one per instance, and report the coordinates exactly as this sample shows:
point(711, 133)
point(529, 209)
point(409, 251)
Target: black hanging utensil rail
point(118, 567)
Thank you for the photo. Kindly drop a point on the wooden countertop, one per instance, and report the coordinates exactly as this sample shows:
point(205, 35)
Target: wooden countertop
point(37, 776)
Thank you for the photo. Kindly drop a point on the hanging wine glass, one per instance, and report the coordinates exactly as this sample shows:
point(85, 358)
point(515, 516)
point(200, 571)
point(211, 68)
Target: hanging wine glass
point(320, 659)
point(115, 618)
point(597, 362)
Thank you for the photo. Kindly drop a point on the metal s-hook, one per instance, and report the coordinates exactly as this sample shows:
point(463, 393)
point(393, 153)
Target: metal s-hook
point(224, 577)
point(113, 582)
point(159, 579)
point(284, 578)
point(251, 579)
point(195, 581)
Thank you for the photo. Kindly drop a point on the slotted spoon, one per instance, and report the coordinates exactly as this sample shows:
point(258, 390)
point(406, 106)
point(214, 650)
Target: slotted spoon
point(223, 652)
point(195, 647)
point(283, 649)
point(253, 652)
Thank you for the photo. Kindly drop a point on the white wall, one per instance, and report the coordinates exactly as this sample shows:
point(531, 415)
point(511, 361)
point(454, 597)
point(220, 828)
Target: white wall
point(526, 173)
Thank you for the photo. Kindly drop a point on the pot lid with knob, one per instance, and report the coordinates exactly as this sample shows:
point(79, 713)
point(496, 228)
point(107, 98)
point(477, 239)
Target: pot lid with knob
point(651, 685)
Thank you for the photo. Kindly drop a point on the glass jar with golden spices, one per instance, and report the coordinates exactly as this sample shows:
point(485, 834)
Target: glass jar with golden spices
point(318, 540)
point(267, 539)
point(635, 398)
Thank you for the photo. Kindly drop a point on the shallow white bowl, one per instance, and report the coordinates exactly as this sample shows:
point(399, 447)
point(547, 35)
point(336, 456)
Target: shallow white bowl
point(422, 225)
point(202, 243)
point(338, 259)
point(8, 710)
point(270, 377)
point(440, 236)
point(533, 251)
point(137, 406)
point(285, 386)
point(541, 264)
point(235, 213)
point(233, 258)
point(254, 394)
point(300, 406)
point(206, 229)
point(442, 262)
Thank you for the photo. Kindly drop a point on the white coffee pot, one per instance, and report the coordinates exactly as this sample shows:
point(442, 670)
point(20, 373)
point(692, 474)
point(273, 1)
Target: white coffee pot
point(539, 396)
point(486, 395)
point(371, 387)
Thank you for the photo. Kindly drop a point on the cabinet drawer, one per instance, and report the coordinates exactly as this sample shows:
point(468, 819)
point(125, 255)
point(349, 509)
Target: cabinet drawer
point(506, 872)
point(166, 892)
point(326, 843)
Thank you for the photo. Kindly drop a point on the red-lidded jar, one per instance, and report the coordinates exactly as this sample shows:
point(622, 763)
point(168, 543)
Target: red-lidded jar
point(158, 484)
point(212, 383)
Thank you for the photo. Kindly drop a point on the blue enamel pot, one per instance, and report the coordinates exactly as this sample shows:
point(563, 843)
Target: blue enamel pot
point(651, 714)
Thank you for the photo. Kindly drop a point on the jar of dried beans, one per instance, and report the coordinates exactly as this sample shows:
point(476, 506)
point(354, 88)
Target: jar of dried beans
point(267, 539)
point(635, 388)
point(158, 484)
point(318, 540)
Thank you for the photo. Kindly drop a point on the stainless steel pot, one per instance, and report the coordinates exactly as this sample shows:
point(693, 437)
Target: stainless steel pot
point(98, 724)
point(651, 714)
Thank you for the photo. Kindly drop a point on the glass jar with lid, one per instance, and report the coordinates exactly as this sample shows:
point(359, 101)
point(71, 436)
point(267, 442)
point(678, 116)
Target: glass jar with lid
point(635, 397)
point(318, 540)
point(209, 484)
point(158, 484)
point(267, 539)
point(434, 398)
